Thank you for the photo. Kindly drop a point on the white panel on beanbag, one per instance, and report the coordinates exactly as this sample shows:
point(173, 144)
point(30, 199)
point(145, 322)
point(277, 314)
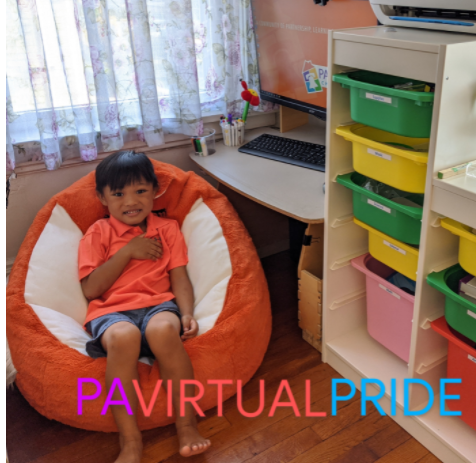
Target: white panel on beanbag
point(209, 259)
point(210, 307)
point(64, 328)
point(67, 330)
point(53, 279)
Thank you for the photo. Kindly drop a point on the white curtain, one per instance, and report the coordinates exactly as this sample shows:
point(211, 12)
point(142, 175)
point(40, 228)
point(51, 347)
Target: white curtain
point(85, 76)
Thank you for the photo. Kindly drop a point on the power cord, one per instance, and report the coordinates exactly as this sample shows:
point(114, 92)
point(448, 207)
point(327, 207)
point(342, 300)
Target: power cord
point(12, 176)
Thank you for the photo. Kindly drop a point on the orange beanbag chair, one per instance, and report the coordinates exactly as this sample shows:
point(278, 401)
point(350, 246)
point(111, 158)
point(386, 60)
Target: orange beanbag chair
point(46, 307)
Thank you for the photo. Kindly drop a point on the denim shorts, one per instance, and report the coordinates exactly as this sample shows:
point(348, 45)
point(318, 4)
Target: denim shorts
point(138, 317)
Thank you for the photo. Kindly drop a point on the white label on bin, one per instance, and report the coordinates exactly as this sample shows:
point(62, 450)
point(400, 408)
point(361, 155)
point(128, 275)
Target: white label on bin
point(379, 206)
point(389, 291)
point(396, 248)
point(471, 314)
point(383, 99)
point(379, 154)
point(473, 359)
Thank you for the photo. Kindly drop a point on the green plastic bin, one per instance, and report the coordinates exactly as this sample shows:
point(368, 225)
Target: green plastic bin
point(373, 102)
point(396, 220)
point(460, 314)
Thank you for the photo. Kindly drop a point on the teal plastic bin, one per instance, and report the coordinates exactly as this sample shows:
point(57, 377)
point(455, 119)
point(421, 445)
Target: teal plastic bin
point(399, 221)
point(460, 313)
point(374, 102)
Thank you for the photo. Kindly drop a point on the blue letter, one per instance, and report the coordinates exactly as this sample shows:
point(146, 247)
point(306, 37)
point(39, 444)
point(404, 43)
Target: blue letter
point(431, 397)
point(444, 396)
point(393, 398)
point(365, 398)
point(335, 398)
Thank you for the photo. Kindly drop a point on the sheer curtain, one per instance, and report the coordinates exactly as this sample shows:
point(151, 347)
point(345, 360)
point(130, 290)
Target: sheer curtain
point(85, 76)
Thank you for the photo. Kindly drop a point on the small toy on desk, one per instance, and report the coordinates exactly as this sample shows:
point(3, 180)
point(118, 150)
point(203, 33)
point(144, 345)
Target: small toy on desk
point(250, 97)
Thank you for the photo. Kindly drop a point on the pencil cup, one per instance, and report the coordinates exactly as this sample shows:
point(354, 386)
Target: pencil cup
point(205, 144)
point(233, 135)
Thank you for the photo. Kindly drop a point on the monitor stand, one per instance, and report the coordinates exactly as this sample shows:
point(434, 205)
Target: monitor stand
point(290, 119)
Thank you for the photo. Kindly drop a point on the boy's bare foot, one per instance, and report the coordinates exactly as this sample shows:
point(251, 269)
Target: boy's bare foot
point(131, 450)
point(190, 441)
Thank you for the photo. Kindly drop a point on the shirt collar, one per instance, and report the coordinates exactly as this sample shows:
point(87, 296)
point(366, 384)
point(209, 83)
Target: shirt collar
point(121, 228)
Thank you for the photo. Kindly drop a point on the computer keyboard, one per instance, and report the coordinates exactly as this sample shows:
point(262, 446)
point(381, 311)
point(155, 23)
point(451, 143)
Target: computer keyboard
point(298, 153)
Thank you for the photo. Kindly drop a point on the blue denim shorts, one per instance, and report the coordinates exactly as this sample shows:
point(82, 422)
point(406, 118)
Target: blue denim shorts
point(138, 317)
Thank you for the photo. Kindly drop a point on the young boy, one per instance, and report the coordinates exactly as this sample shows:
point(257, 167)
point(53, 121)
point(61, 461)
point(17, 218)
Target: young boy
point(132, 267)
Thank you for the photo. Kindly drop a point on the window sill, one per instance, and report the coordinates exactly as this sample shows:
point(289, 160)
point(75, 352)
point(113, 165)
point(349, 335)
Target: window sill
point(171, 141)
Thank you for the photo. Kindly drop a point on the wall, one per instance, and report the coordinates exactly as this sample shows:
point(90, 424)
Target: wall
point(31, 190)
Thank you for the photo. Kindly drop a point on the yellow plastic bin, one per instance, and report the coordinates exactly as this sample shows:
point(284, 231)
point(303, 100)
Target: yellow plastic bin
point(467, 244)
point(397, 255)
point(389, 158)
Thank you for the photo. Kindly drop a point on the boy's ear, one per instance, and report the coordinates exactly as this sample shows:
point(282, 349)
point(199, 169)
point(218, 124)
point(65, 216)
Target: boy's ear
point(101, 198)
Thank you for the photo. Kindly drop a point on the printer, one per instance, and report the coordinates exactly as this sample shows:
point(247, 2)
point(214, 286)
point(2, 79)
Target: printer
point(440, 15)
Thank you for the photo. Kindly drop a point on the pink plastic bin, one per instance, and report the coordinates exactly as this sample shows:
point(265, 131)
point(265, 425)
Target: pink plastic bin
point(389, 309)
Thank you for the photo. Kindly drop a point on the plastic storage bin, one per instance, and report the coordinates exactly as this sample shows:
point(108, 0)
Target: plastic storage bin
point(396, 220)
point(461, 365)
point(392, 159)
point(459, 312)
point(389, 309)
point(467, 244)
point(402, 257)
point(375, 103)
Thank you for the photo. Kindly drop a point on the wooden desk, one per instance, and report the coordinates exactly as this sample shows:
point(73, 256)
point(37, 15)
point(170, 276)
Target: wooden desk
point(293, 191)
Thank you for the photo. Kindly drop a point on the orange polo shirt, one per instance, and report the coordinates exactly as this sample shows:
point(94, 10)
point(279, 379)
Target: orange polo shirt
point(143, 283)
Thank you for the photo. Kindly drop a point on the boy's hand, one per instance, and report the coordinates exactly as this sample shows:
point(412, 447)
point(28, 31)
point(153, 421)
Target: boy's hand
point(142, 248)
point(190, 327)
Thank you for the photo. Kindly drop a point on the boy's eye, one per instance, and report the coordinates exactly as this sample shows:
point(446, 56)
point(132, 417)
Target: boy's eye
point(141, 191)
point(118, 194)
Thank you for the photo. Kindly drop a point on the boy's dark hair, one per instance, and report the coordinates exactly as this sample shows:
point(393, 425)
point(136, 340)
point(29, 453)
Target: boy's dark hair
point(122, 168)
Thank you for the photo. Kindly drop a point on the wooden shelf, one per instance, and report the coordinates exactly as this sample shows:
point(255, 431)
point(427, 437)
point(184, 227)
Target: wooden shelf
point(454, 197)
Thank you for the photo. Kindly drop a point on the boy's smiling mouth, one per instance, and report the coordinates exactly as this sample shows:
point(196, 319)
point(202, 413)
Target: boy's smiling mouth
point(133, 213)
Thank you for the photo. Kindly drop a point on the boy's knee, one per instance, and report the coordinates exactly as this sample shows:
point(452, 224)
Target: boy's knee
point(162, 330)
point(122, 336)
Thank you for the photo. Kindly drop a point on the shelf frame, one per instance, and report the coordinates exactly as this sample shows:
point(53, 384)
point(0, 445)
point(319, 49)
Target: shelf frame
point(440, 58)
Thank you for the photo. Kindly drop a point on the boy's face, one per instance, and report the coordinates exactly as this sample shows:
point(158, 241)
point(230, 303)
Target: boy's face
point(130, 205)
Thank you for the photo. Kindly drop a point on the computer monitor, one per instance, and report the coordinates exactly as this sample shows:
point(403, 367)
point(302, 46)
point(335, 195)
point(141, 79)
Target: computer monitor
point(291, 40)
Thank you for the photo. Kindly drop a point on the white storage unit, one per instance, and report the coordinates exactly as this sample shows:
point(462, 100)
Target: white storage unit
point(449, 61)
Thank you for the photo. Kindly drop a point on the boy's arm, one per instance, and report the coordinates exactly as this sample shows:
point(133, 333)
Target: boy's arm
point(102, 278)
point(183, 292)
point(182, 289)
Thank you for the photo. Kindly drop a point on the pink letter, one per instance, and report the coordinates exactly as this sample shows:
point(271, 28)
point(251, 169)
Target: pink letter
point(308, 403)
point(82, 397)
point(116, 382)
point(147, 410)
point(220, 383)
point(239, 399)
point(170, 408)
point(292, 403)
point(192, 400)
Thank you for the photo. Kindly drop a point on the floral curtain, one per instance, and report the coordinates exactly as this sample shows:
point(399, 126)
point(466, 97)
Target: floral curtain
point(85, 76)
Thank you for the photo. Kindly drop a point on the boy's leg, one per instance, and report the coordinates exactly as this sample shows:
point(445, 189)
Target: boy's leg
point(163, 336)
point(122, 342)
